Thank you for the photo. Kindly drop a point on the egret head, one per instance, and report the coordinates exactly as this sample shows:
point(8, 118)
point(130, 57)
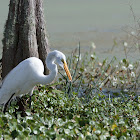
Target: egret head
point(61, 60)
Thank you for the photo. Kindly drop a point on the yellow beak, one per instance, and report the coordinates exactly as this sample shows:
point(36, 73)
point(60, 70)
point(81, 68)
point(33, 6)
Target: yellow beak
point(67, 71)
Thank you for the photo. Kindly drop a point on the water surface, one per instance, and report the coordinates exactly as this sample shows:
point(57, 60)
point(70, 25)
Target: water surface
point(87, 21)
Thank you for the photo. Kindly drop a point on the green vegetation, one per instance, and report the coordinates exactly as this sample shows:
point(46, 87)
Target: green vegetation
point(88, 108)
point(55, 116)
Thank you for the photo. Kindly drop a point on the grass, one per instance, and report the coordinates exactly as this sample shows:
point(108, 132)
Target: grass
point(86, 108)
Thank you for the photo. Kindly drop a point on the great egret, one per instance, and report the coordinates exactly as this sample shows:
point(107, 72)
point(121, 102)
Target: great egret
point(22, 79)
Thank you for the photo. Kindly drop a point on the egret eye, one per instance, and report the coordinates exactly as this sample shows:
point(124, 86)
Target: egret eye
point(62, 60)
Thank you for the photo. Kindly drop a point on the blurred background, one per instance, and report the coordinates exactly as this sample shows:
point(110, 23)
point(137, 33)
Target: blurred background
point(101, 25)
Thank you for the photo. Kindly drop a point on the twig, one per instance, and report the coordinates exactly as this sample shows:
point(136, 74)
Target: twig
point(77, 63)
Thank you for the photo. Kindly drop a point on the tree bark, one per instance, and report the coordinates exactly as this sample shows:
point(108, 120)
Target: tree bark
point(42, 39)
point(10, 39)
point(24, 35)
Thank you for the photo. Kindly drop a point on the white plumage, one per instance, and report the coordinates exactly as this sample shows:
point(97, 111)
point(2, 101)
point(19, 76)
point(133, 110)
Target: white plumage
point(28, 73)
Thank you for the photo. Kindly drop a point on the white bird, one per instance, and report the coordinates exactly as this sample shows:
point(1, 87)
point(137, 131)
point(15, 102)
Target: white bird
point(30, 72)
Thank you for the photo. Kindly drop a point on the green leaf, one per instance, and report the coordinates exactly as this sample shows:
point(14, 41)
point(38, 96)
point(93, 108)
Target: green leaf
point(26, 133)
point(19, 127)
point(14, 134)
point(57, 91)
point(67, 131)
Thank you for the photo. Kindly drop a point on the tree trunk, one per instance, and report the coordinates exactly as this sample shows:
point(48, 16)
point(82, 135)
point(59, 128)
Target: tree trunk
point(24, 35)
point(10, 39)
point(42, 39)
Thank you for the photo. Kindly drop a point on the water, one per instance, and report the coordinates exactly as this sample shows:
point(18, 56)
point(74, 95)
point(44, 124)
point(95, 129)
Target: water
point(87, 21)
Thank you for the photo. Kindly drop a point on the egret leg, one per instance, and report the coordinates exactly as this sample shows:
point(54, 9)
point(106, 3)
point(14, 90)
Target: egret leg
point(30, 101)
point(5, 106)
point(20, 103)
point(31, 92)
point(18, 99)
